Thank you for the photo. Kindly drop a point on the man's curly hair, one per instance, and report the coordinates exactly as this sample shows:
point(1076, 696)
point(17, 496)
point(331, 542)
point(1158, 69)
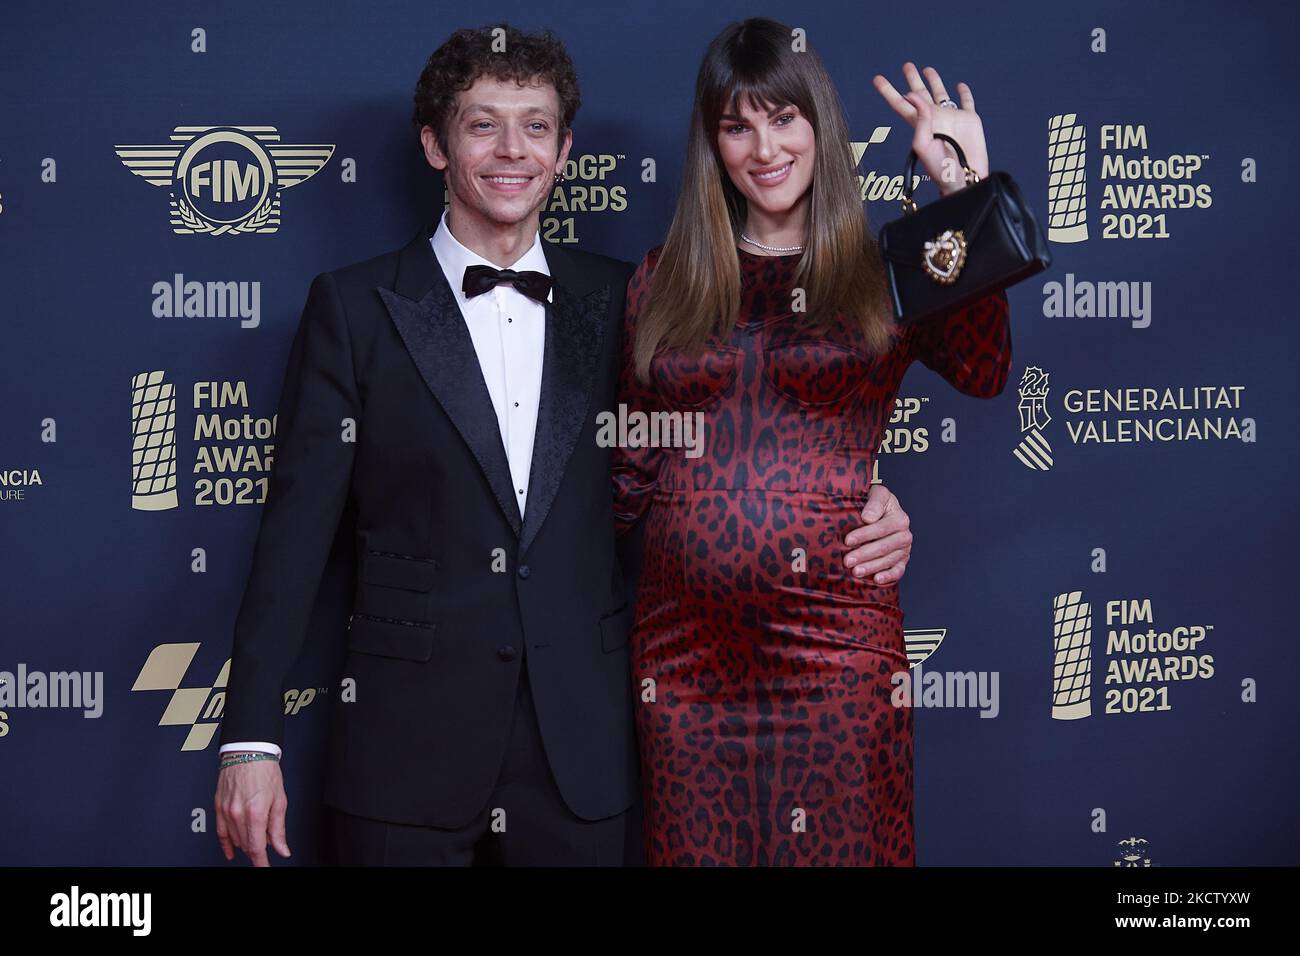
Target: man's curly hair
point(467, 54)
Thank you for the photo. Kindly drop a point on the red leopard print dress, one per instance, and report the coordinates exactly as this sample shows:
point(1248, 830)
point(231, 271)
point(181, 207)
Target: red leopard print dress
point(761, 665)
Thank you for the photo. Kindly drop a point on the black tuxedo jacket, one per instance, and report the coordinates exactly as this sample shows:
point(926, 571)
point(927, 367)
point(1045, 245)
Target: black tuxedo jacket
point(384, 413)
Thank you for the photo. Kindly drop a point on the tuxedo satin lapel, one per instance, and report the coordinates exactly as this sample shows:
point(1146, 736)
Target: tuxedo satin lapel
point(575, 326)
point(430, 323)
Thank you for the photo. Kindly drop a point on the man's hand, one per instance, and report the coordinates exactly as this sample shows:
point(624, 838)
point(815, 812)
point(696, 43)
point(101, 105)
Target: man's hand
point(883, 544)
point(251, 805)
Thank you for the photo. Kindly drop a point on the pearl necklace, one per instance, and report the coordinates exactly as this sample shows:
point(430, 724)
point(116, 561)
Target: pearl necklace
point(771, 248)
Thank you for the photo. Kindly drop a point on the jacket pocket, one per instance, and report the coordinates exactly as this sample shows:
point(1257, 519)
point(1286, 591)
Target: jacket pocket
point(408, 572)
point(614, 629)
point(391, 637)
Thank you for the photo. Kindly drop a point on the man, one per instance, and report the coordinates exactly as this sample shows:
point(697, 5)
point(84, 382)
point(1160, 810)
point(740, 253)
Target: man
point(487, 713)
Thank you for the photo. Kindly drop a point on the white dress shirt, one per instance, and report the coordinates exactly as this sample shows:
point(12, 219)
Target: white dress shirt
point(508, 330)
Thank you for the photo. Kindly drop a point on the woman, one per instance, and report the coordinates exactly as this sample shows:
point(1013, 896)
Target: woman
point(762, 666)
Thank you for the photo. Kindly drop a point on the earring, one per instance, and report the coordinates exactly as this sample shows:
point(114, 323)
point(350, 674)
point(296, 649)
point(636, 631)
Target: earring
point(559, 178)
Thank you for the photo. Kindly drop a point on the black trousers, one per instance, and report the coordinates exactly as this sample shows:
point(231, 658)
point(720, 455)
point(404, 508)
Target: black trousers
point(524, 823)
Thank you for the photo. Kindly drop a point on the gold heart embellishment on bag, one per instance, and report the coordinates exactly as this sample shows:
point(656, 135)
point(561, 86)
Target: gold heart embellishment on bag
point(944, 256)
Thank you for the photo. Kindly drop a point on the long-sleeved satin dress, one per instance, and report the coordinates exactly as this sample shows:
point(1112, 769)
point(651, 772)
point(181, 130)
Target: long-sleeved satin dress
point(762, 666)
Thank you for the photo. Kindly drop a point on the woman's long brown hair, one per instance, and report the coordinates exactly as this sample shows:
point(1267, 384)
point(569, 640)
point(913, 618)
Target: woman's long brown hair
point(696, 284)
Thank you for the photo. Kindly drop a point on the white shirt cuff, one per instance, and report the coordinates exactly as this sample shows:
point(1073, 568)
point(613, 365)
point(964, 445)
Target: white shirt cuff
point(258, 745)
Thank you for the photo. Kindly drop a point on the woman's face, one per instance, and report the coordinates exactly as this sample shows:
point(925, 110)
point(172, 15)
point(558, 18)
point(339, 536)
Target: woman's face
point(768, 155)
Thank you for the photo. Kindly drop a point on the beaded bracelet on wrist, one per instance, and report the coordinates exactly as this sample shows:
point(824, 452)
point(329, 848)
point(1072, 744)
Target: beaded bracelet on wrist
point(229, 760)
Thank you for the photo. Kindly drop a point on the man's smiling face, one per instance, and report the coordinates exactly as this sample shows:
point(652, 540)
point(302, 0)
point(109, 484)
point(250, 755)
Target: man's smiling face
point(503, 150)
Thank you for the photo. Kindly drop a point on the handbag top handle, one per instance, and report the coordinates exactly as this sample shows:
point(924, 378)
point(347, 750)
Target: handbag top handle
point(909, 204)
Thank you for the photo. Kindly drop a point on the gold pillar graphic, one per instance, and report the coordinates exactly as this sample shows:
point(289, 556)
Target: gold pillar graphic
point(153, 447)
point(1072, 664)
point(1067, 193)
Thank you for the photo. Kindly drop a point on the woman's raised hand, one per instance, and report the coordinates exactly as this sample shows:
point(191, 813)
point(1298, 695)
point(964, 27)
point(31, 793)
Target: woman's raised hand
point(920, 107)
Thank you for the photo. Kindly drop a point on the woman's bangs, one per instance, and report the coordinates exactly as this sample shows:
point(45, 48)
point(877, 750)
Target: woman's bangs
point(762, 92)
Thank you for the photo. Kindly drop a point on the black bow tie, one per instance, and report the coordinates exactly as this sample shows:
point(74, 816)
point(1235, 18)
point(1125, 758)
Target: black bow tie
point(479, 279)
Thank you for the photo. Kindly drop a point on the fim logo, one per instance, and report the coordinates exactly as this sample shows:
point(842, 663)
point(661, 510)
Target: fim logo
point(921, 643)
point(1072, 656)
point(199, 708)
point(1135, 851)
point(1067, 193)
point(225, 180)
point(153, 442)
point(1033, 452)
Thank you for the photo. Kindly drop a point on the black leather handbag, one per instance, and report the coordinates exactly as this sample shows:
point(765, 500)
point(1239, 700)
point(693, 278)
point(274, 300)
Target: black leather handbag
point(961, 247)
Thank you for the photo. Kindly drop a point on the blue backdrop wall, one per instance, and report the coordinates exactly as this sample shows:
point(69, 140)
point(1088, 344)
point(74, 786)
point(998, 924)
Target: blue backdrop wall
point(1105, 551)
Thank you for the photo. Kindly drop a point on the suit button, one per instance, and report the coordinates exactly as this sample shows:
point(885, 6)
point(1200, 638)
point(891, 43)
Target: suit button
point(506, 653)
point(523, 570)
